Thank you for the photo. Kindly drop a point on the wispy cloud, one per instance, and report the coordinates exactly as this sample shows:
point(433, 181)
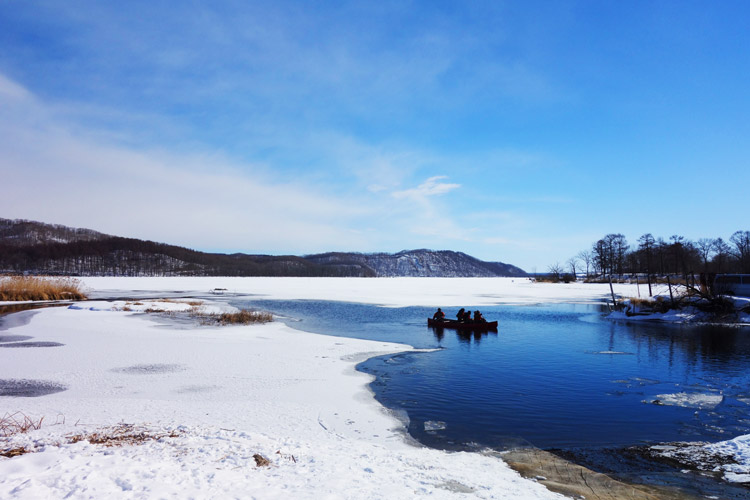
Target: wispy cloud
point(12, 92)
point(430, 187)
point(199, 200)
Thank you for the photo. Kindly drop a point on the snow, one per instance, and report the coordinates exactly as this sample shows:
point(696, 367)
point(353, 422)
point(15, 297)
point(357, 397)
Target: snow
point(738, 449)
point(729, 458)
point(226, 394)
point(685, 314)
point(214, 397)
point(202, 307)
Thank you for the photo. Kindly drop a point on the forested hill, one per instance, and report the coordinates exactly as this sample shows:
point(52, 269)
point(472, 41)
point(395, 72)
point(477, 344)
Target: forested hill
point(35, 247)
point(426, 263)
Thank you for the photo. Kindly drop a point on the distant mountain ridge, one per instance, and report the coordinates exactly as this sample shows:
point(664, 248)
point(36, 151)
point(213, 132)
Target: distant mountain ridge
point(421, 263)
point(35, 247)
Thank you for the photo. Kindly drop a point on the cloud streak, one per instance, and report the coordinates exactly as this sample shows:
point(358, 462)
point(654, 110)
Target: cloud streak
point(430, 187)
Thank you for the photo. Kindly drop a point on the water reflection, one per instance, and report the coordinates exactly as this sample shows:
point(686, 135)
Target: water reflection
point(463, 335)
point(705, 347)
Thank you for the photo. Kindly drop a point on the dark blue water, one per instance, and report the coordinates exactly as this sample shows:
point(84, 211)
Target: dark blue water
point(548, 377)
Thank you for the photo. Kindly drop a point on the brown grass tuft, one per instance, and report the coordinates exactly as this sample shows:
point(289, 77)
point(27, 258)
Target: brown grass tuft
point(261, 461)
point(13, 452)
point(40, 288)
point(638, 302)
point(18, 423)
point(245, 317)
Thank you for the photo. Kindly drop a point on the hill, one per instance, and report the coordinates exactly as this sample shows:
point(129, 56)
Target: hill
point(422, 263)
point(39, 248)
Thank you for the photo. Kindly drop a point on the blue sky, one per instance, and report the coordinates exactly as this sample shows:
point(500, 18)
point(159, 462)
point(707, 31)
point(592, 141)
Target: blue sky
point(519, 132)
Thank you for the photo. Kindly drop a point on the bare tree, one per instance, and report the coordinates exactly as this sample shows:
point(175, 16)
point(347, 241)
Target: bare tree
point(741, 242)
point(586, 257)
point(646, 243)
point(705, 246)
point(723, 250)
point(555, 270)
point(572, 263)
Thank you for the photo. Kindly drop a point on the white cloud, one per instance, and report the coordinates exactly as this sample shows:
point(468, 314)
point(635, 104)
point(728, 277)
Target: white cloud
point(430, 187)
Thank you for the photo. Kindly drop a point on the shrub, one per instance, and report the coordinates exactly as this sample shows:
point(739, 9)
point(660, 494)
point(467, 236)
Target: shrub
point(40, 288)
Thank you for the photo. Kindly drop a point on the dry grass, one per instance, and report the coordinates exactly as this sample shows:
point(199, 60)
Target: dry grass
point(193, 303)
point(244, 317)
point(649, 305)
point(18, 423)
point(40, 288)
point(120, 435)
point(638, 302)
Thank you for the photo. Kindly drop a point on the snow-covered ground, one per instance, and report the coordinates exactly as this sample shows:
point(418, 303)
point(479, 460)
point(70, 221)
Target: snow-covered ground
point(214, 397)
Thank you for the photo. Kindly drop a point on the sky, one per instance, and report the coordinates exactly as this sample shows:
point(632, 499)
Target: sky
point(519, 132)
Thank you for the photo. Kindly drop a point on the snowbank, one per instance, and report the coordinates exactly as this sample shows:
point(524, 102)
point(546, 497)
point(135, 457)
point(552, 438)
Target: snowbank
point(729, 458)
point(738, 450)
point(224, 395)
point(689, 312)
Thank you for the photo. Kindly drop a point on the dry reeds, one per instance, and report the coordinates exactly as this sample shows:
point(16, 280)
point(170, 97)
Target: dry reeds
point(18, 423)
point(120, 435)
point(244, 317)
point(40, 288)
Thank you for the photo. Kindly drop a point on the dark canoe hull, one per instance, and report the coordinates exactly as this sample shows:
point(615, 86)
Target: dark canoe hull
point(451, 323)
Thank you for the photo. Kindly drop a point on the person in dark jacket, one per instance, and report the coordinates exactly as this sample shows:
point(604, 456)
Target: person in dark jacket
point(460, 315)
point(439, 315)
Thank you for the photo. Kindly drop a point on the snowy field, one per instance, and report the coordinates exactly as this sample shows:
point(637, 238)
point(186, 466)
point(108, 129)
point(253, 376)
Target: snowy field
point(213, 398)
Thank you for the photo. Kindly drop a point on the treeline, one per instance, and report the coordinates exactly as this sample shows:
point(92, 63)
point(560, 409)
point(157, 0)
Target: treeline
point(613, 255)
point(117, 256)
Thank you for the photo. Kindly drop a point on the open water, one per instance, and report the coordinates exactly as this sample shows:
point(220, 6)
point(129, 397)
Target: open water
point(553, 376)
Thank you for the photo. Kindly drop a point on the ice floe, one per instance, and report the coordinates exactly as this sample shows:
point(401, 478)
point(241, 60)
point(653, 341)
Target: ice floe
point(688, 400)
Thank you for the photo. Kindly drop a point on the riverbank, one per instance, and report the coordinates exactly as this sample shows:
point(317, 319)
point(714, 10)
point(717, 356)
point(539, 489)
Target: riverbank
point(720, 310)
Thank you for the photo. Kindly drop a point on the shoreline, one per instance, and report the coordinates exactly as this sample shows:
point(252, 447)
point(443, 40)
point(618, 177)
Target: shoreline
point(301, 397)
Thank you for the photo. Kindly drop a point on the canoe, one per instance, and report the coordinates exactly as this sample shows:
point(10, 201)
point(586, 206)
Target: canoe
point(452, 323)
